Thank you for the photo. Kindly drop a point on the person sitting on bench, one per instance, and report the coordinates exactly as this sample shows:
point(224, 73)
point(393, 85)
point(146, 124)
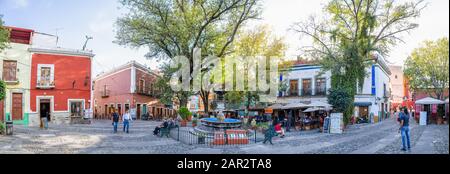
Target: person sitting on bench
point(165, 124)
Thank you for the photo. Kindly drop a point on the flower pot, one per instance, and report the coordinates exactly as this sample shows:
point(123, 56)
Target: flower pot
point(439, 120)
point(194, 124)
point(189, 118)
point(183, 123)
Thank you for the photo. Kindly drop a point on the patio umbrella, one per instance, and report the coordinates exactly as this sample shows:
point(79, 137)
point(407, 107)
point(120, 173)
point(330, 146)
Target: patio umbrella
point(276, 106)
point(429, 101)
point(311, 110)
point(319, 104)
point(295, 105)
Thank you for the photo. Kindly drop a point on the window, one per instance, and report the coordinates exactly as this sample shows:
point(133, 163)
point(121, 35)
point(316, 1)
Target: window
point(76, 108)
point(45, 76)
point(141, 86)
point(293, 88)
point(306, 84)
point(9, 70)
point(321, 86)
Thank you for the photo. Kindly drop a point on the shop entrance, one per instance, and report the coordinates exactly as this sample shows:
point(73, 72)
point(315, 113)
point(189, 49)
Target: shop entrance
point(44, 109)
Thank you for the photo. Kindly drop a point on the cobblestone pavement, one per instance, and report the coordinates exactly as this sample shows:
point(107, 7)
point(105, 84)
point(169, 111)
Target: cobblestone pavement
point(98, 138)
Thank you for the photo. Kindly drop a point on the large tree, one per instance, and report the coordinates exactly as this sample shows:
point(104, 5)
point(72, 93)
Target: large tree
point(4, 35)
point(177, 27)
point(351, 31)
point(428, 67)
point(259, 41)
point(4, 40)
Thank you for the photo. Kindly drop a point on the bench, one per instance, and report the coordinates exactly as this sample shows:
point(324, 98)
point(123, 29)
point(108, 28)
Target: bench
point(166, 131)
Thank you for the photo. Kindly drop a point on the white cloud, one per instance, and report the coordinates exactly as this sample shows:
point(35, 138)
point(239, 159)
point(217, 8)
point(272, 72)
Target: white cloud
point(20, 3)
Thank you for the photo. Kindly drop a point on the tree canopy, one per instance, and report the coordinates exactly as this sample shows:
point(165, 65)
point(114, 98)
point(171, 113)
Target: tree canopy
point(178, 27)
point(351, 32)
point(4, 35)
point(428, 67)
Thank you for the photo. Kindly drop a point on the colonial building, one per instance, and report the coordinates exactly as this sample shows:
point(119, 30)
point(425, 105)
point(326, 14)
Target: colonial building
point(60, 83)
point(128, 87)
point(400, 95)
point(40, 75)
point(306, 84)
point(15, 67)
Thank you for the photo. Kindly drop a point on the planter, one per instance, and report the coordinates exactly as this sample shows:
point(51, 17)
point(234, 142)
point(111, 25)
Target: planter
point(183, 123)
point(189, 118)
point(194, 124)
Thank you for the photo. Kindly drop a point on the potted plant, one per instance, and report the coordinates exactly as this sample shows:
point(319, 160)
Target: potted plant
point(194, 122)
point(184, 114)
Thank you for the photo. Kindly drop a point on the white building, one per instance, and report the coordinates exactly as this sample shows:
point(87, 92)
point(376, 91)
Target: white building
point(307, 84)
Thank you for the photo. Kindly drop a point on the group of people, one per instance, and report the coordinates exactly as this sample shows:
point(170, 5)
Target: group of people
point(126, 119)
point(167, 123)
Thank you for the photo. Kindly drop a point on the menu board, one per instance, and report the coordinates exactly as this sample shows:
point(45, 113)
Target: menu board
point(336, 123)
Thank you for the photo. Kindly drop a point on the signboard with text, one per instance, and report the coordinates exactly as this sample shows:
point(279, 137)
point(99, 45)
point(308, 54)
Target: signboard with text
point(336, 123)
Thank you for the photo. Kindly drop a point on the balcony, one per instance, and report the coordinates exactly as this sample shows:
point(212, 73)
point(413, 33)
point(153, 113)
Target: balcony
point(105, 93)
point(45, 84)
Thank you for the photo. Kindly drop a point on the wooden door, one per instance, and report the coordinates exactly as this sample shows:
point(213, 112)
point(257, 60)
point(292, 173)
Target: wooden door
point(17, 106)
point(138, 111)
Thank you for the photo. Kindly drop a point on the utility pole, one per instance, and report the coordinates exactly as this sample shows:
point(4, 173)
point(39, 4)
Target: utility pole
point(85, 43)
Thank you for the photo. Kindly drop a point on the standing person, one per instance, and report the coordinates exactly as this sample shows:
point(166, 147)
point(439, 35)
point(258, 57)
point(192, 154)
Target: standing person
point(404, 129)
point(44, 117)
point(115, 119)
point(126, 121)
point(288, 121)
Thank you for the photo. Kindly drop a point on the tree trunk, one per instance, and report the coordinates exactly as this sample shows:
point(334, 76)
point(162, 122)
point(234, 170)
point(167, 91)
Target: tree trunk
point(205, 99)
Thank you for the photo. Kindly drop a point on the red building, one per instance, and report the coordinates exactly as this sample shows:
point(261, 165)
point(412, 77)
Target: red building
point(431, 109)
point(128, 87)
point(60, 83)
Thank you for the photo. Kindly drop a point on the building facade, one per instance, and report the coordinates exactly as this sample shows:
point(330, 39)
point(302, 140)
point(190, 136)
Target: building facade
point(128, 87)
point(307, 84)
point(15, 67)
point(60, 83)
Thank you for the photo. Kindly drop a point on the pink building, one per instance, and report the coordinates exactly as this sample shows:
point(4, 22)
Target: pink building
point(128, 87)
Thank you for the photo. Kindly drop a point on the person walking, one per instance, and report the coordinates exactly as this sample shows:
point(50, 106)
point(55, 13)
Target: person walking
point(115, 119)
point(404, 129)
point(269, 134)
point(126, 121)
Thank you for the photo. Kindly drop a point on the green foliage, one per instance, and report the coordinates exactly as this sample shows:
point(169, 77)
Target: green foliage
point(428, 67)
point(177, 27)
point(166, 95)
point(352, 31)
point(4, 35)
point(2, 90)
point(184, 113)
point(342, 101)
point(2, 127)
point(256, 42)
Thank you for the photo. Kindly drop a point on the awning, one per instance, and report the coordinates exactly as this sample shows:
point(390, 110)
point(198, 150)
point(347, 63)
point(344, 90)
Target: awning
point(295, 105)
point(311, 110)
point(362, 103)
point(276, 106)
point(429, 101)
point(319, 104)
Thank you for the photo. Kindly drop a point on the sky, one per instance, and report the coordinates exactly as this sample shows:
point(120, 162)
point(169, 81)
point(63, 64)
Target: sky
point(72, 20)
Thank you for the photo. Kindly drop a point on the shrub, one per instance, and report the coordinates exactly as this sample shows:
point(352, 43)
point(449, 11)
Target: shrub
point(184, 113)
